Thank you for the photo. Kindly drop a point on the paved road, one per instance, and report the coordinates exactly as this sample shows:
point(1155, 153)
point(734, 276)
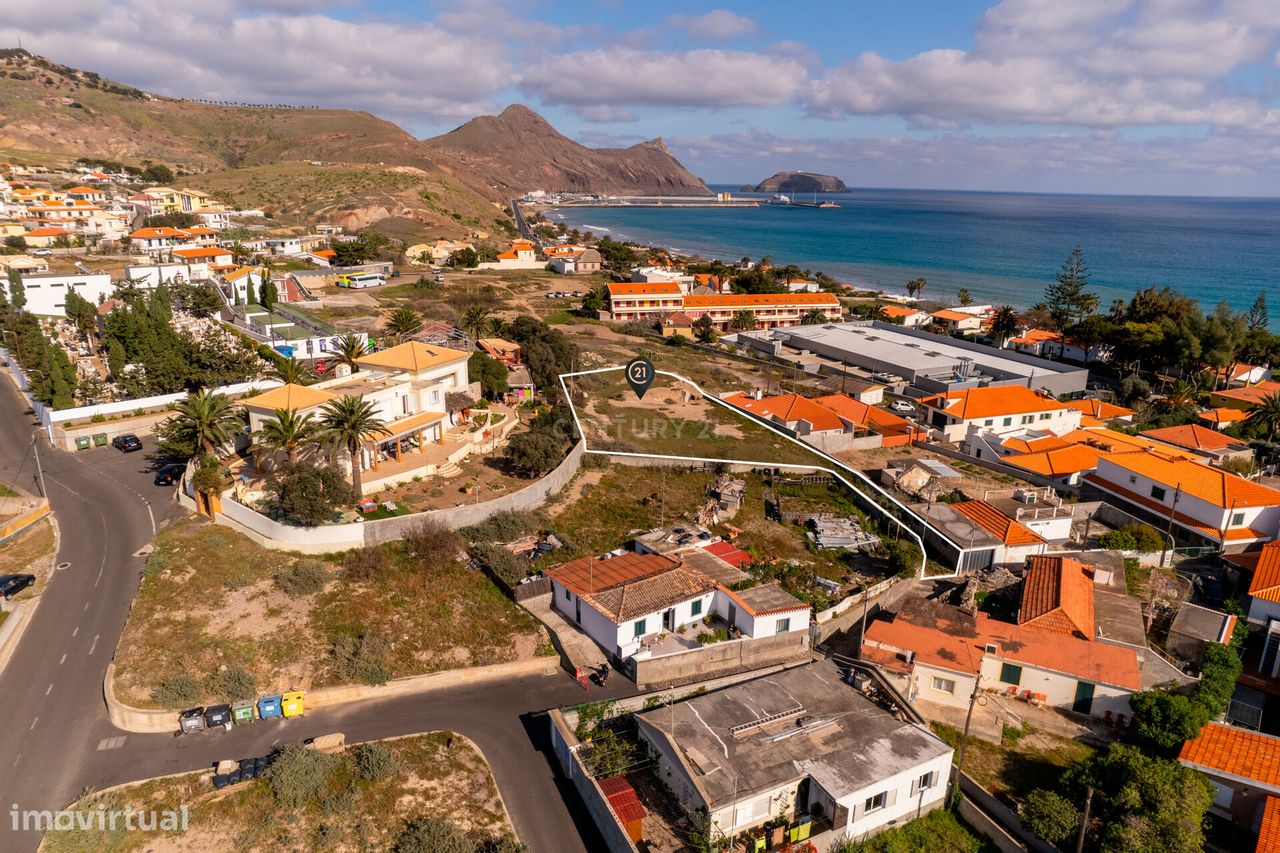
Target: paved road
point(55, 738)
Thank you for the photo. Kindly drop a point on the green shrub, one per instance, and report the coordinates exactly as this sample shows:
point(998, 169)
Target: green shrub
point(300, 775)
point(432, 835)
point(1050, 816)
point(365, 563)
point(502, 527)
point(361, 659)
point(1117, 540)
point(431, 543)
point(375, 762)
point(303, 579)
point(508, 567)
point(177, 691)
point(1133, 537)
point(232, 683)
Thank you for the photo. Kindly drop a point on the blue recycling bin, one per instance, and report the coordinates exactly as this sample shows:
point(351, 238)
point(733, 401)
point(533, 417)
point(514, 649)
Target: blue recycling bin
point(269, 706)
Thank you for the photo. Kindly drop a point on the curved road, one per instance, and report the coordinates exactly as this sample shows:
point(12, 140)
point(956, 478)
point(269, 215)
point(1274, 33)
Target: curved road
point(55, 738)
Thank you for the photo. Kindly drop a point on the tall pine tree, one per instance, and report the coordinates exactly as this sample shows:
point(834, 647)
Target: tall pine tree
point(1257, 316)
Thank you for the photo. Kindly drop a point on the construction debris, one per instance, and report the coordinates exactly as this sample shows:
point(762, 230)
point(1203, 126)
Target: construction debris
point(828, 530)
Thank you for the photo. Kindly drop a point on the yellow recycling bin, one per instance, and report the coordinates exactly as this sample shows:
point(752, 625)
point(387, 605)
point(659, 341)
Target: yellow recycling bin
point(291, 703)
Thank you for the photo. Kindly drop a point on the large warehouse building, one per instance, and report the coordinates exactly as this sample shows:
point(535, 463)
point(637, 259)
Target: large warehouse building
point(931, 363)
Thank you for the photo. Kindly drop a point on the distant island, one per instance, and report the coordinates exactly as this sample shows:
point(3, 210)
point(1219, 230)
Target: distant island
point(799, 182)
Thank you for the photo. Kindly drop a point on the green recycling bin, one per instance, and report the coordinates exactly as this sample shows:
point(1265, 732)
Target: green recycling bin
point(242, 711)
point(82, 443)
point(100, 439)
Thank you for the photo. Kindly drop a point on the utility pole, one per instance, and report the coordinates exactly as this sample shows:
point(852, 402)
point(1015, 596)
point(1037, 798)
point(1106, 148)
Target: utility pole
point(35, 446)
point(1084, 821)
point(964, 738)
point(862, 633)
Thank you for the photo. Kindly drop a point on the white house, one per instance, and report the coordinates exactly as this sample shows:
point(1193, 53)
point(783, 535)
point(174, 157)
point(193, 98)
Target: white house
point(804, 745)
point(942, 651)
point(47, 294)
point(1002, 409)
point(149, 275)
point(155, 240)
point(523, 255)
point(1209, 503)
point(626, 601)
point(659, 275)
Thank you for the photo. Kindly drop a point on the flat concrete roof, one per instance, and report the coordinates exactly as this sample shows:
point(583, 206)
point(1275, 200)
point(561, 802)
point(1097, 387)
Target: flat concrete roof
point(957, 526)
point(825, 730)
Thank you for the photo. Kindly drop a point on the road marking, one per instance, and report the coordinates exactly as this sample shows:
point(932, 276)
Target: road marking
point(150, 515)
point(95, 643)
point(76, 631)
point(86, 605)
point(33, 723)
point(111, 742)
point(64, 659)
point(98, 580)
point(50, 690)
point(16, 760)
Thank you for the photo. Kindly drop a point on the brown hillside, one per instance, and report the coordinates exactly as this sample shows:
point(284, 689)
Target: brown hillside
point(519, 150)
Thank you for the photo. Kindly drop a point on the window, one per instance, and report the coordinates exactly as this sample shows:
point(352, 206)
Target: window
point(988, 422)
point(639, 628)
point(926, 781)
point(1237, 519)
point(1008, 421)
point(1132, 479)
point(784, 625)
point(1011, 674)
point(695, 609)
point(567, 596)
point(1157, 492)
point(1026, 419)
point(874, 804)
point(945, 685)
point(1046, 415)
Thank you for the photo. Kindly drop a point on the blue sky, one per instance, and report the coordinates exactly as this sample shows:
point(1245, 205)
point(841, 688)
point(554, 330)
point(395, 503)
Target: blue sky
point(1129, 96)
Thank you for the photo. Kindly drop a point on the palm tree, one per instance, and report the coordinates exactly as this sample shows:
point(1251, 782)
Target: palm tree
point(497, 327)
point(290, 371)
point(743, 321)
point(347, 422)
point(287, 432)
point(204, 421)
point(402, 323)
point(1004, 324)
point(876, 312)
point(1266, 415)
point(474, 321)
point(813, 317)
point(347, 349)
point(963, 297)
point(1179, 394)
point(916, 287)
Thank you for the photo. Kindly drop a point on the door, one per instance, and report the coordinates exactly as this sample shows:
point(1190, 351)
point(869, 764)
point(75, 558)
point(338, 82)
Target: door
point(1084, 698)
point(669, 620)
point(577, 610)
point(733, 616)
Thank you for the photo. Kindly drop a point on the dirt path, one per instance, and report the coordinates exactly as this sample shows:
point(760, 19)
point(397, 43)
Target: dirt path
point(575, 490)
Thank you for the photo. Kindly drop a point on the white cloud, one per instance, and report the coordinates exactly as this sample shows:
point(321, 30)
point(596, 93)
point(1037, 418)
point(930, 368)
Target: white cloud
point(407, 71)
point(605, 114)
point(1093, 63)
point(706, 78)
point(716, 25)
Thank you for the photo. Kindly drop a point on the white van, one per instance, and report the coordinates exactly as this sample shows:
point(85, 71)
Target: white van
point(357, 281)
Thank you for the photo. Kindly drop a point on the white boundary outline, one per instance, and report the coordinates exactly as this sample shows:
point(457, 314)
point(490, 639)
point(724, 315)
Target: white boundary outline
point(761, 464)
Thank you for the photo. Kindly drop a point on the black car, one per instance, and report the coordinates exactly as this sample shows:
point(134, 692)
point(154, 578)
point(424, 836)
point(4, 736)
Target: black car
point(126, 443)
point(169, 474)
point(1213, 591)
point(11, 585)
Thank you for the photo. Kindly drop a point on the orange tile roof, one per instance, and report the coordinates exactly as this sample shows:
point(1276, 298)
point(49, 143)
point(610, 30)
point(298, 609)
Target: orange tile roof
point(1218, 487)
point(1237, 534)
point(1034, 445)
point(83, 190)
point(412, 357)
point(157, 233)
point(899, 311)
point(1058, 462)
point(325, 253)
point(1034, 336)
point(1057, 596)
point(765, 599)
point(998, 524)
point(1265, 583)
point(650, 288)
point(1269, 829)
point(203, 252)
point(1111, 441)
point(788, 408)
point(993, 401)
point(960, 648)
point(587, 575)
point(1234, 752)
point(1100, 409)
point(507, 256)
point(948, 314)
point(1223, 416)
point(747, 300)
point(1192, 436)
point(47, 232)
point(862, 414)
point(1251, 395)
point(293, 397)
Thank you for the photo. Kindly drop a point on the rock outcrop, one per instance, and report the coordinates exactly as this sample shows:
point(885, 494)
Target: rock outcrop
point(801, 182)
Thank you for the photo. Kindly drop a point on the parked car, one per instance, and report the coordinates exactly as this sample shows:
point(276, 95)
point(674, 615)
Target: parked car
point(11, 585)
point(41, 253)
point(126, 443)
point(169, 474)
point(1212, 591)
point(902, 406)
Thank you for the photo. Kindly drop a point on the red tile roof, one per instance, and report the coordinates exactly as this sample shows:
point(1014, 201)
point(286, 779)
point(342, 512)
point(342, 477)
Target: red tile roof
point(954, 316)
point(1034, 445)
point(1269, 830)
point(1100, 409)
point(591, 574)
point(729, 553)
point(1218, 487)
point(622, 799)
point(1057, 596)
point(748, 300)
point(1265, 583)
point(998, 524)
point(899, 311)
point(1223, 416)
point(863, 414)
point(1235, 752)
point(789, 408)
point(1251, 395)
point(960, 648)
point(1059, 462)
point(650, 288)
point(1192, 436)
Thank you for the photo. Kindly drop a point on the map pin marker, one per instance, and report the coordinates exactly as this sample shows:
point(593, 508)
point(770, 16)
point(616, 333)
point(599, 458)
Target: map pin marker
point(640, 375)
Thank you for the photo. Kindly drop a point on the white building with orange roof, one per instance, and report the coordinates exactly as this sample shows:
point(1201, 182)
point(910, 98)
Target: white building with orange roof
point(93, 195)
point(998, 410)
point(523, 255)
point(1101, 410)
point(46, 236)
point(956, 321)
point(905, 316)
point(215, 255)
point(642, 301)
point(1197, 500)
point(157, 240)
point(770, 310)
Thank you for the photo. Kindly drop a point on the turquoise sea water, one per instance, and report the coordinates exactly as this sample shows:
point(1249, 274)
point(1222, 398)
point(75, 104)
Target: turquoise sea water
point(1003, 247)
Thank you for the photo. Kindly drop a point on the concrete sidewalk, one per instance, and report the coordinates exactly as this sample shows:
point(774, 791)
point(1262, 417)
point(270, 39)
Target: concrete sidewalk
point(579, 649)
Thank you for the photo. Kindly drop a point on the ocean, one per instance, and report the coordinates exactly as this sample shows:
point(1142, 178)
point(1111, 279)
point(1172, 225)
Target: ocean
point(1003, 247)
